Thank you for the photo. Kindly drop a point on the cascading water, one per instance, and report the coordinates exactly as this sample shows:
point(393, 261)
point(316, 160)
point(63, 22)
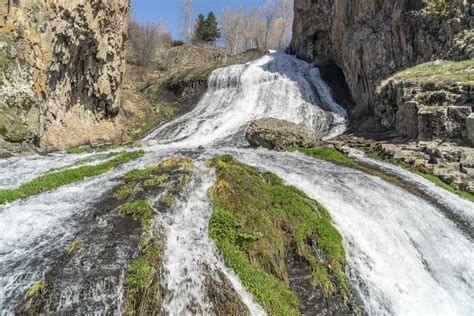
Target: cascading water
point(404, 255)
point(276, 85)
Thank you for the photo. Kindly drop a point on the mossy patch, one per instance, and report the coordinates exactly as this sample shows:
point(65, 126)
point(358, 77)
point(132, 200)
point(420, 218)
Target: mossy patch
point(440, 72)
point(123, 192)
point(73, 247)
point(167, 199)
point(57, 179)
point(255, 218)
point(157, 180)
point(168, 111)
point(139, 211)
point(329, 154)
point(137, 174)
point(32, 294)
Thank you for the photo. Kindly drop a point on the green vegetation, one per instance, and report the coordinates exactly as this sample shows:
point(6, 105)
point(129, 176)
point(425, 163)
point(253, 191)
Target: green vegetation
point(182, 183)
point(73, 247)
point(167, 199)
point(168, 111)
point(255, 218)
point(441, 72)
point(32, 295)
point(206, 28)
point(136, 174)
point(139, 211)
point(55, 180)
point(378, 154)
point(139, 274)
point(123, 193)
point(157, 180)
point(36, 288)
point(91, 149)
point(330, 154)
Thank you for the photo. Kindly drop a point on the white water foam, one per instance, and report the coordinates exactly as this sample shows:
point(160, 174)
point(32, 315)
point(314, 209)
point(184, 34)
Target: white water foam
point(404, 256)
point(190, 251)
point(276, 85)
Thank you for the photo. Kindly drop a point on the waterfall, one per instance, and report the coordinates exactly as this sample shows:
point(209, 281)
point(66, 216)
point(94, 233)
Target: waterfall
point(404, 256)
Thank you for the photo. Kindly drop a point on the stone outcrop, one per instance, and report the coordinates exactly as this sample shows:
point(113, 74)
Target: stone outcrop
point(277, 134)
point(368, 40)
point(429, 101)
point(61, 66)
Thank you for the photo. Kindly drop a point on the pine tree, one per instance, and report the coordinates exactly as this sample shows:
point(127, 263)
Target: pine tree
point(212, 31)
point(199, 32)
point(207, 28)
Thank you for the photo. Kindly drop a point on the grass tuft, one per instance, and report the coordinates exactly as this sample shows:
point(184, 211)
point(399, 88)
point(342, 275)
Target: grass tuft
point(57, 179)
point(139, 211)
point(167, 199)
point(329, 154)
point(123, 193)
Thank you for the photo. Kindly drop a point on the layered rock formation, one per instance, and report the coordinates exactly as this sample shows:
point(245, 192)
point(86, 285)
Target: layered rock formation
point(61, 66)
point(368, 40)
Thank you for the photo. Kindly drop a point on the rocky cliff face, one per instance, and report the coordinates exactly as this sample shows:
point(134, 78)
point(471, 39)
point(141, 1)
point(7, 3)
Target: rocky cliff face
point(371, 39)
point(61, 65)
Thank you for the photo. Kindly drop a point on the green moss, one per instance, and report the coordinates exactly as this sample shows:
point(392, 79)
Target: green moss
point(167, 199)
point(58, 179)
point(36, 288)
point(174, 164)
point(123, 193)
point(182, 183)
point(168, 111)
point(91, 149)
point(439, 182)
point(441, 72)
point(157, 180)
point(329, 154)
point(73, 247)
point(137, 174)
point(255, 217)
point(139, 211)
point(139, 275)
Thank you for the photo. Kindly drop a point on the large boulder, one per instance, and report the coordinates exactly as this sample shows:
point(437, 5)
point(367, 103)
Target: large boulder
point(278, 134)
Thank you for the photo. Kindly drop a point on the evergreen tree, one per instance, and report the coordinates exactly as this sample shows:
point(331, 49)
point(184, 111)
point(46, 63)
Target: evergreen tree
point(200, 28)
point(207, 28)
point(212, 30)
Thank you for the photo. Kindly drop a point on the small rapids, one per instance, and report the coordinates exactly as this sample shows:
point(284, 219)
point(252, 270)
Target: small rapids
point(404, 256)
point(191, 255)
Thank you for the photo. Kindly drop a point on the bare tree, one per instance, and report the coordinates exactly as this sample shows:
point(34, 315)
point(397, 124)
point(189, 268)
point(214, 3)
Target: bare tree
point(254, 30)
point(286, 22)
point(231, 28)
point(270, 13)
point(146, 40)
point(186, 20)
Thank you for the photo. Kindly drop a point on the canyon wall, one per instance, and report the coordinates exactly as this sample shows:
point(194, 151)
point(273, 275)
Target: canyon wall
point(369, 40)
point(61, 66)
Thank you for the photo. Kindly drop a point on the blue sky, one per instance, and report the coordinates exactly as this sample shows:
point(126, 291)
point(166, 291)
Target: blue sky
point(169, 10)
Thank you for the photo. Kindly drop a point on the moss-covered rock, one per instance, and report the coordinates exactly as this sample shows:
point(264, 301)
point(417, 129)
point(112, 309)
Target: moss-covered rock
point(257, 222)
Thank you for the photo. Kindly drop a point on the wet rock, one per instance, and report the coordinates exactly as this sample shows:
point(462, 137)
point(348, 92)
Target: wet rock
point(278, 134)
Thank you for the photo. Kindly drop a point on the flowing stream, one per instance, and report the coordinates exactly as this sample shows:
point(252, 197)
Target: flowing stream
point(404, 256)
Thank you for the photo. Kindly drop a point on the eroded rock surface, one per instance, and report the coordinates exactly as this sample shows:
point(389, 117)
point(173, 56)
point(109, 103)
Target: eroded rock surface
point(369, 40)
point(278, 134)
point(61, 66)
